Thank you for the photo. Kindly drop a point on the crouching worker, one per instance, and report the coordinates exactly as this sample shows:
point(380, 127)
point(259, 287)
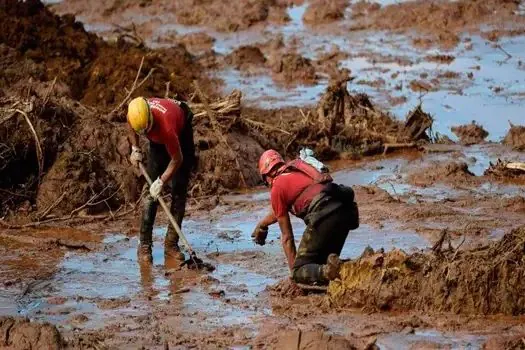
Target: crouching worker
point(328, 210)
point(167, 124)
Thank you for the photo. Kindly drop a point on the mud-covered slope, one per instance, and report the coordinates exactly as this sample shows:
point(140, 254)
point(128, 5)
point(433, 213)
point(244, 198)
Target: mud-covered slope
point(63, 96)
point(485, 280)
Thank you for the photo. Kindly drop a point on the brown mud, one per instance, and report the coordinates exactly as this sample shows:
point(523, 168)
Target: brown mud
point(73, 171)
point(479, 281)
point(516, 137)
point(18, 333)
point(75, 162)
point(319, 11)
point(470, 134)
point(440, 21)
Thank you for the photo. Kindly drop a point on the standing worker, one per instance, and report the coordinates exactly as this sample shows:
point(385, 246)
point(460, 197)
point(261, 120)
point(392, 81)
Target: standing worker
point(328, 210)
point(167, 124)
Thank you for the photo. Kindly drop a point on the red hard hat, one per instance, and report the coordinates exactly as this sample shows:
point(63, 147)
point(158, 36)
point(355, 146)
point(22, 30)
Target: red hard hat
point(269, 159)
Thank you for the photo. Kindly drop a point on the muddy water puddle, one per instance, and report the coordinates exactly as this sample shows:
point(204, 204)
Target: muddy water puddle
point(94, 289)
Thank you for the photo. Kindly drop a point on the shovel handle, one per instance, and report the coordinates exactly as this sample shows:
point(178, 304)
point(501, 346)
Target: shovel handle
point(167, 211)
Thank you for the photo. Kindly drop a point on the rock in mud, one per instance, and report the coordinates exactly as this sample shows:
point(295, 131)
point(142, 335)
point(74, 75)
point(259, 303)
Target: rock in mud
point(453, 172)
point(311, 340)
point(516, 137)
point(20, 333)
point(292, 68)
point(228, 16)
point(325, 11)
point(286, 289)
point(470, 134)
point(481, 281)
point(246, 57)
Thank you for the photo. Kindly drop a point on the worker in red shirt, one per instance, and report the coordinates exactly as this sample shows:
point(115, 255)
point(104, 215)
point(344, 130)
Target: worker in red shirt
point(167, 124)
point(328, 210)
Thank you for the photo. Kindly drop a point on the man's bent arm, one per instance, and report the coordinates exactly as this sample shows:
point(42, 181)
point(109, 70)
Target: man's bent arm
point(268, 220)
point(173, 166)
point(287, 239)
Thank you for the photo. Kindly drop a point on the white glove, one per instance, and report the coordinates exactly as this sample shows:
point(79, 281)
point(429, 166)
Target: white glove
point(136, 156)
point(156, 188)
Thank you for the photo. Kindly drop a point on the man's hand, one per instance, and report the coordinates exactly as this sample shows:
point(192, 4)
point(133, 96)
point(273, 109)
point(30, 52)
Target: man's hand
point(156, 188)
point(136, 156)
point(259, 234)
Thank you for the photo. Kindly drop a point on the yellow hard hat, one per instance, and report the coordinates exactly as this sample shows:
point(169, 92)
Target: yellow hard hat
point(139, 115)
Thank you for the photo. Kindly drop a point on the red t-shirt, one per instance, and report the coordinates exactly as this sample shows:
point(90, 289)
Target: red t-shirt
point(168, 122)
point(285, 189)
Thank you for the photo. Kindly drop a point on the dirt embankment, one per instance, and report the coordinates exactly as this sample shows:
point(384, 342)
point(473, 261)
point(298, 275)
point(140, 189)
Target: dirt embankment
point(470, 134)
point(480, 281)
point(62, 98)
point(440, 21)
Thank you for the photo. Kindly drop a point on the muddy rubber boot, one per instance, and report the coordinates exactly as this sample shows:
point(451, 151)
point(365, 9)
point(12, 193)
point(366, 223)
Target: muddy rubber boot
point(330, 271)
point(171, 245)
point(144, 253)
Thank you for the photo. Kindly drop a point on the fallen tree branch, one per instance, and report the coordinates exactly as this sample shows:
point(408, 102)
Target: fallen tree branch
point(393, 146)
point(134, 87)
point(48, 241)
point(52, 206)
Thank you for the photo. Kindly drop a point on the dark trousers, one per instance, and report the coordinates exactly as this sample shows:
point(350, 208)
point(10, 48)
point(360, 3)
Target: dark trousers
point(326, 237)
point(158, 159)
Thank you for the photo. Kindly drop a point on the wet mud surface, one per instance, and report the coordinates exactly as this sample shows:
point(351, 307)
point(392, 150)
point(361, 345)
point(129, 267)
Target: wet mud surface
point(449, 206)
point(103, 296)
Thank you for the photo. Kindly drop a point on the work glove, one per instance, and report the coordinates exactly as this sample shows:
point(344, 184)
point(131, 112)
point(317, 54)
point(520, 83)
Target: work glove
point(259, 234)
point(136, 156)
point(156, 188)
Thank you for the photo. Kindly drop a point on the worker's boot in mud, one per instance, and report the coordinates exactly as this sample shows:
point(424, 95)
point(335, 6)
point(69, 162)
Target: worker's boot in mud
point(171, 246)
point(144, 253)
point(330, 271)
point(146, 230)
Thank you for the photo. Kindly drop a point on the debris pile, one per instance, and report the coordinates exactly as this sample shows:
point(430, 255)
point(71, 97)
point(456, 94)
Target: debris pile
point(484, 280)
point(470, 134)
point(506, 170)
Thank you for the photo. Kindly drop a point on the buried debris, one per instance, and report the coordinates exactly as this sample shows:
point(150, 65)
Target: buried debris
point(470, 134)
point(484, 280)
point(195, 263)
point(506, 170)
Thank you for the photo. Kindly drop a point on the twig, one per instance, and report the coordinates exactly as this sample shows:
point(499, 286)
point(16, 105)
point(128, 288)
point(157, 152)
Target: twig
point(89, 202)
point(215, 125)
point(388, 146)
point(133, 87)
point(498, 46)
point(39, 152)
point(48, 93)
point(457, 249)
point(261, 125)
point(52, 206)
